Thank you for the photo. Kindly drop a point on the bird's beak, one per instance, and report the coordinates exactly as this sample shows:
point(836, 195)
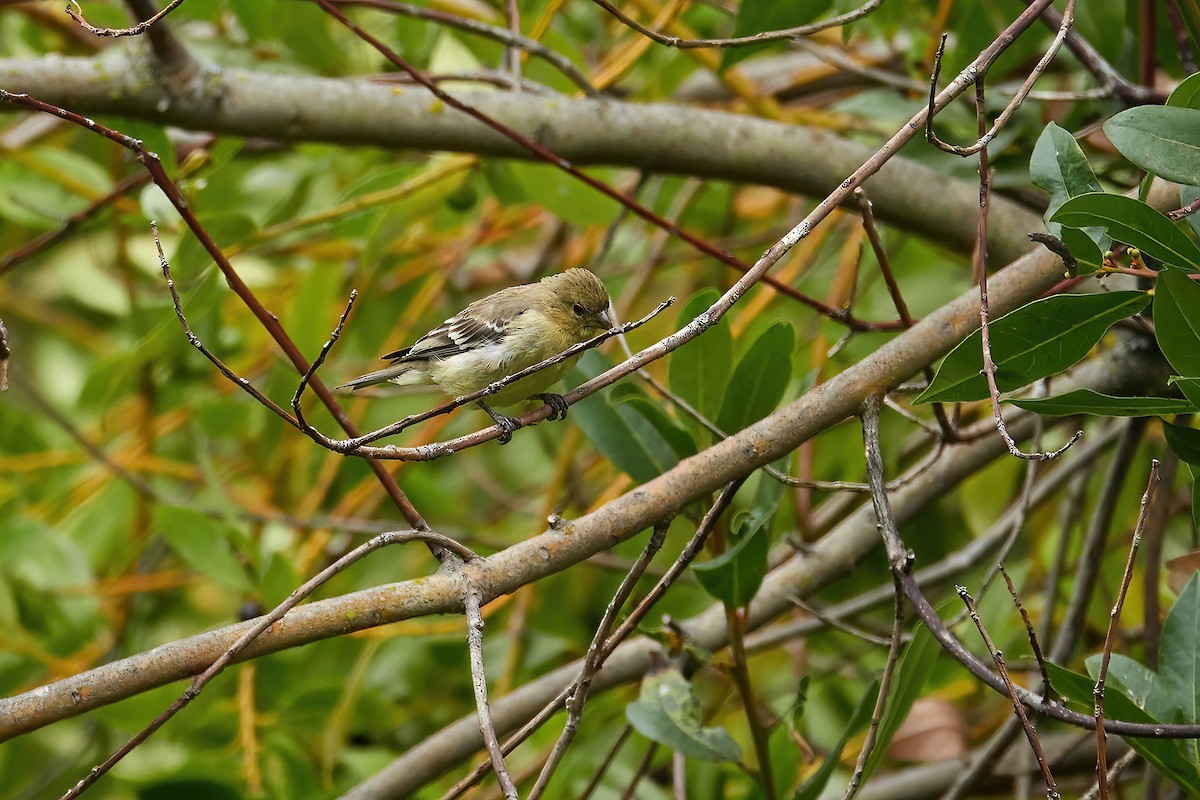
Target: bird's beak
point(605, 320)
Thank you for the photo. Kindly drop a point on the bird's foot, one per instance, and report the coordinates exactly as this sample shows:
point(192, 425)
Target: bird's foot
point(506, 424)
point(558, 406)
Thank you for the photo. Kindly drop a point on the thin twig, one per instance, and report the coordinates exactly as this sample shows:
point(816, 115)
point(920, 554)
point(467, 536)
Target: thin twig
point(5, 355)
point(583, 680)
point(472, 599)
point(76, 13)
point(1030, 731)
point(1114, 618)
point(1034, 644)
point(1123, 763)
point(318, 361)
point(642, 768)
point(254, 631)
point(884, 683)
point(194, 340)
point(1186, 211)
point(741, 41)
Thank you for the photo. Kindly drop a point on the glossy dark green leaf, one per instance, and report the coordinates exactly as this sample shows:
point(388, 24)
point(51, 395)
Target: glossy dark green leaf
point(203, 543)
point(1035, 341)
point(1177, 320)
point(1163, 140)
point(1168, 756)
point(1087, 401)
point(619, 430)
point(1187, 93)
point(1059, 168)
point(912, 672)
point(760, 16)
point(666, 712)
point(1177, 690)
point(814, 787)
point(1134, 223)
point(699, 370)
point(759, 380)
point(1185, 442)
point(734, 576)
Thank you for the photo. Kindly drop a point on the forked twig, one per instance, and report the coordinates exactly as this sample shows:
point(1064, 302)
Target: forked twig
point(194, 340)
point(1018, 708)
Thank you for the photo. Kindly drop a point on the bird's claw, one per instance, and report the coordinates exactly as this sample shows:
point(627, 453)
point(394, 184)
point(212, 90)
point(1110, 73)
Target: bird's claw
point(507, 426)
point(558, 406)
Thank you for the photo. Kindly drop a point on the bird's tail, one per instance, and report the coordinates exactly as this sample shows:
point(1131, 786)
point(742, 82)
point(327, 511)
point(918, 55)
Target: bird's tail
point(402, 374)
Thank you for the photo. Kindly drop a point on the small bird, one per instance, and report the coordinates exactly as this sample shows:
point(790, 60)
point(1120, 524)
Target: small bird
point(500, 335)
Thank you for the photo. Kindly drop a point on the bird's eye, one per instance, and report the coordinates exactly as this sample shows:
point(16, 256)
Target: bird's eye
point(578, 309)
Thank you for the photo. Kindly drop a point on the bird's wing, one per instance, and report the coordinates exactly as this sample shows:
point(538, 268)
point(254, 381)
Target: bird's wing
point(459, 334)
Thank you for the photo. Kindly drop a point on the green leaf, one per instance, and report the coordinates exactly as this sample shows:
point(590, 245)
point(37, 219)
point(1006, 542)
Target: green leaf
point(814, 787)
point(1133, 223)
point(1059, 168)
point(1187, 93)
point(203, 543)
point(759, 380)
point(680, 440)
point(1190, 388)
point(1040, 339)
point(699, 370)
point(1177, 691)
point(1133, 678)
point(912, 672)
point(759, 16)
point(619, 430)
point(666, 712)
point(1177, 320)
point(1086, 401)
point(1166, 755)
point(734, 576)
point(1185, 442)
point(1163, 140)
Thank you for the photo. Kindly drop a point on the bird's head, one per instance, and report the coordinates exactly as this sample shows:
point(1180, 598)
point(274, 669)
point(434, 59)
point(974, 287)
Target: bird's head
point(578, 302)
